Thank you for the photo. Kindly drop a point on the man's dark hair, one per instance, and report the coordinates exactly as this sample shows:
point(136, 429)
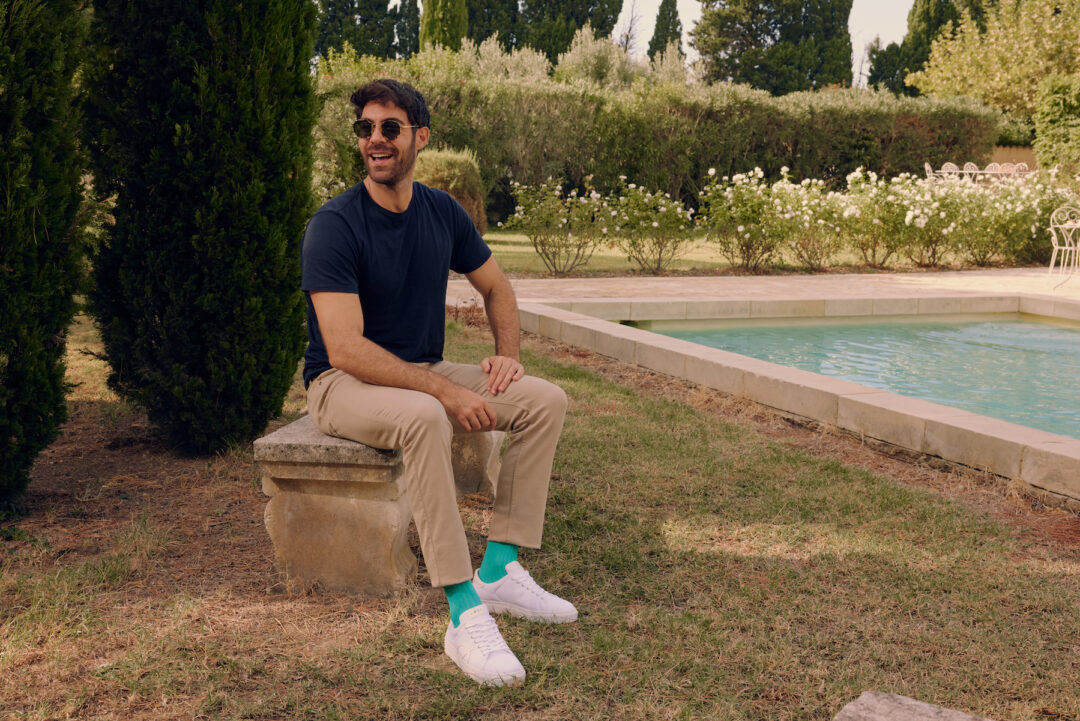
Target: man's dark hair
point(403, 95)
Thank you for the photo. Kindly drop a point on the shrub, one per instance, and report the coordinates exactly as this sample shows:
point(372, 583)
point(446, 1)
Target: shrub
point(736, 213)
point(1057, 123)
point(455, 172)
point(1016, 131)
point(878, 218)
point(882, 132)
point(594, 60)
point(519, 64)
point(669, 65)
point(651, 227)
point(564, 230)
point(41, 46)
point(1009, 222)
point(200, 118)
point(807, 218)
point(527, 127)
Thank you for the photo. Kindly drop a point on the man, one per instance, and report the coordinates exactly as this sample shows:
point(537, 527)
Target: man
point(375, 266)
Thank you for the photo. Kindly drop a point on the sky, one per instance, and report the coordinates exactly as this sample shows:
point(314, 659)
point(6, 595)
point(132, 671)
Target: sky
point(869, 19)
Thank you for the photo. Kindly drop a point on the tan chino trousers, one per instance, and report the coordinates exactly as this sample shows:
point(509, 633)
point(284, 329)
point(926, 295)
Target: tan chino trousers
point(531, 411)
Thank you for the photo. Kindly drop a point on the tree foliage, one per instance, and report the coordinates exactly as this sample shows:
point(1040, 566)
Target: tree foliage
point(407, 28)
point(199, 119)
point(783, 46)
point(668, 29)
point(491, 17)
point(443, 22)
point(41, 46)
point(367, 25)
point(550, 25)
point(1022, 43)
point(1057, 123)
point(887, 67)
point(925, 22)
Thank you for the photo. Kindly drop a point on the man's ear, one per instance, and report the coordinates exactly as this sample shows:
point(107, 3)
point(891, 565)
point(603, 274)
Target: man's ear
point(422, 136)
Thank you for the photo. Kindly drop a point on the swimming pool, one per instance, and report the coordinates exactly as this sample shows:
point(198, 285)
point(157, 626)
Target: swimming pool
point(1015, 367)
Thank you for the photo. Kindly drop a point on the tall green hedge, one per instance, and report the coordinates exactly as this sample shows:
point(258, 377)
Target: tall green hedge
point(199, 118)
point(663, 135)
point(40, 230)
point(1057, 123)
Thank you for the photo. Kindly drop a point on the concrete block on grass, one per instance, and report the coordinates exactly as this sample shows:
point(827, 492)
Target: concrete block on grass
point(875, 706)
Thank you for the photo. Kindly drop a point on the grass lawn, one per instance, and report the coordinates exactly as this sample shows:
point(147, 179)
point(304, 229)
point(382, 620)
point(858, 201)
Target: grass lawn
point(719, 575)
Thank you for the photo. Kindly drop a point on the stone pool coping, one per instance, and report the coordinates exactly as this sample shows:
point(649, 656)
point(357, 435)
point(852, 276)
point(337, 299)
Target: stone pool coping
point(1043, 460)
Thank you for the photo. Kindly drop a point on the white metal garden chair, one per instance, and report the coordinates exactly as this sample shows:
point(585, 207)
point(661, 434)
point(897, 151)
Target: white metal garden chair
point(971, 171)
point(950, 169)
point(1064, 233)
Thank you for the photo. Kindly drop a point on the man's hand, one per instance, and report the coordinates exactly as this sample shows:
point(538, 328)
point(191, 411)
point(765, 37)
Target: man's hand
point(469, 409)
point(502, 371)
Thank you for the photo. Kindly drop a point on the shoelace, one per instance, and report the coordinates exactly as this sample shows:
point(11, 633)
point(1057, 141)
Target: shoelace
point(526, 582)
point(486, 637)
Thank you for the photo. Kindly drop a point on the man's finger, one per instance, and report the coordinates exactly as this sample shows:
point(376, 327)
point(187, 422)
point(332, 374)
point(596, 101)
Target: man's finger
point(497, 381)
point(490, 414)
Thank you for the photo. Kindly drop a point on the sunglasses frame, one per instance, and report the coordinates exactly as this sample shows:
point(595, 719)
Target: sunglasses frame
point(381, 125)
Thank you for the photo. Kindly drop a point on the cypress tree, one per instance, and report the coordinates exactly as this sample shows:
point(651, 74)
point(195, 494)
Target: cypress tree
point(886, 66)
point(367, 25)
point(668, 28)
point(550, 25)
point(443, 22)
point(487, 17)
point(782, 46)
point(407, 28)
point(199, 118)
point(40, 230)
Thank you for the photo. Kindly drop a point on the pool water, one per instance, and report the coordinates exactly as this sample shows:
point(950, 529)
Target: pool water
point(1010, 367)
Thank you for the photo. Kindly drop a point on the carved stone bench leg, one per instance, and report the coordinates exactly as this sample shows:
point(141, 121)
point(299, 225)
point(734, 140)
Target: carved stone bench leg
point(351, 537)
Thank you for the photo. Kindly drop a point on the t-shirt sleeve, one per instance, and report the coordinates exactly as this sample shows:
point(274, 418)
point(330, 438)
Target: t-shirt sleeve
point(470, 250)
point(329, 255)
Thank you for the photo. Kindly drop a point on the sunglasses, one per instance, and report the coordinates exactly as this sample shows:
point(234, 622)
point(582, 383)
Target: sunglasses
point(390, 128)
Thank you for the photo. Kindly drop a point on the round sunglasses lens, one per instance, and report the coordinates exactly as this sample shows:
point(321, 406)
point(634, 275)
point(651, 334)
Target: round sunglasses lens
point(391, 129)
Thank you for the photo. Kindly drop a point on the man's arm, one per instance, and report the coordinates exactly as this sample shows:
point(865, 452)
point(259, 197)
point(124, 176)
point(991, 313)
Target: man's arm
point(501, 306)
point(341, 322)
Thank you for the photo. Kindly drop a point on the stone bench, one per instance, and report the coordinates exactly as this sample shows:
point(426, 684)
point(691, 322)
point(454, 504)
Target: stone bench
point(338, 516)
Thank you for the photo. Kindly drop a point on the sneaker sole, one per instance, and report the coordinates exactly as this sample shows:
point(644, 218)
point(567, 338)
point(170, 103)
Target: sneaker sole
point(520, 612)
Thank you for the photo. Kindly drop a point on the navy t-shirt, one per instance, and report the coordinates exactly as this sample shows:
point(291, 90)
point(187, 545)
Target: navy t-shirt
point(398, 263)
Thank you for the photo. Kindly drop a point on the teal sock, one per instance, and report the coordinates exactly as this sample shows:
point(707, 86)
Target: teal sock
point(461, 597)
point(497, 555)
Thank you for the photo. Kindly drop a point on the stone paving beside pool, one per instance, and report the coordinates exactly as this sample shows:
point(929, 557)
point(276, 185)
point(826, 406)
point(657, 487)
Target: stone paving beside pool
point(586, 313)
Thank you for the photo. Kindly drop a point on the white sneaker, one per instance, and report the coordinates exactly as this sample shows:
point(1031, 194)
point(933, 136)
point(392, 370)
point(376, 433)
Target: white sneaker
point(518, 594)
point(479, 650)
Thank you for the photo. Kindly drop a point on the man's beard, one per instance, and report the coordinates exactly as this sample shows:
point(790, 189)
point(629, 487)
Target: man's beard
point(403, 162)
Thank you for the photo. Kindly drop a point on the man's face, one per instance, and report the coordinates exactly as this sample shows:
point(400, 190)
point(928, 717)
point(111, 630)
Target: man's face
point(390, 162)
